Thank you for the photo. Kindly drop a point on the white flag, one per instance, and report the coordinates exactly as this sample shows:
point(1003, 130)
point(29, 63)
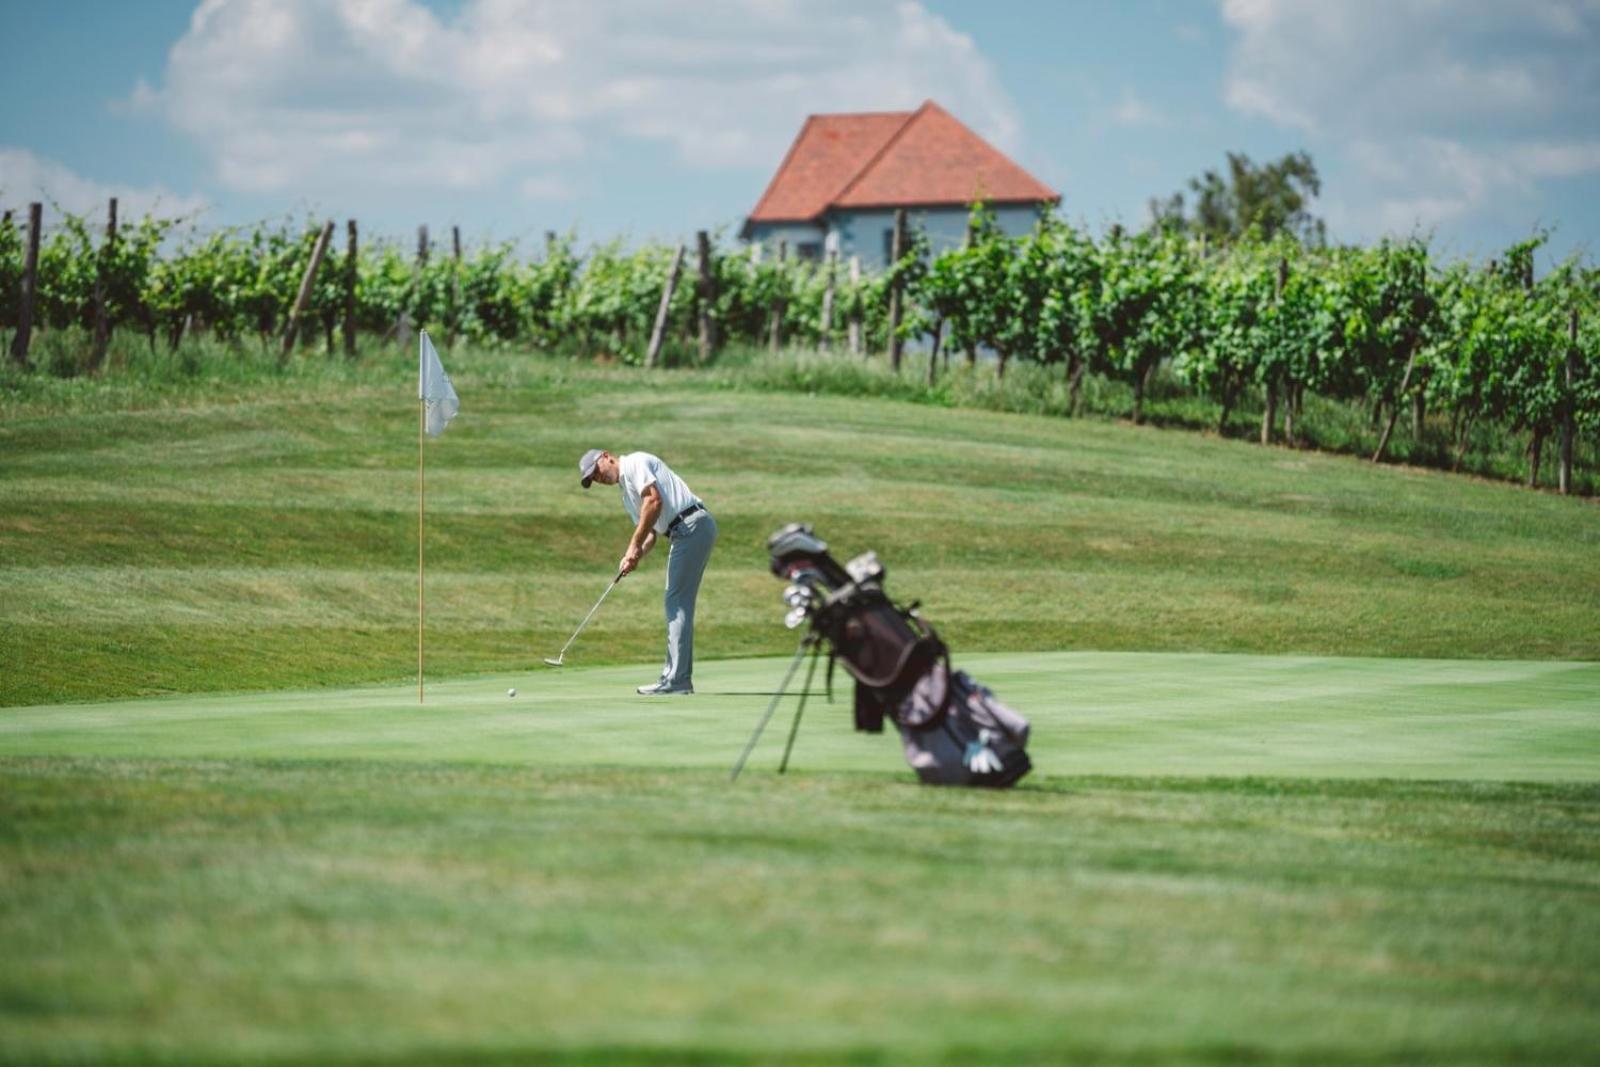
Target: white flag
point(433, 386)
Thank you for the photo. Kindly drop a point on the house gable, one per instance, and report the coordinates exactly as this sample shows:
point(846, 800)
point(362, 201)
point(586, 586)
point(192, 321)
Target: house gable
point(920, 158)
point(934, 159)
point(828, 153)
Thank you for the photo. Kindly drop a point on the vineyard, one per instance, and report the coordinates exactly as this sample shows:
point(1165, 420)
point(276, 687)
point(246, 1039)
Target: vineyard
point(1444, 355)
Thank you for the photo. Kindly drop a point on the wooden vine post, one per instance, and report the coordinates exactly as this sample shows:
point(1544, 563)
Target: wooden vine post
point(1567, 420)
point(707, 293)
point(896, 295)
point(1536, 438)
point(102, 318)
point(659, 332)
point(1291, 388)
point(855, 306)
point(29, 292)
point(972, 348)
point(404, 323)
point(292, 332)
point(350, 272)
point(775, 315)
point(1394, 408)
point(455, 288)
point(827, 299)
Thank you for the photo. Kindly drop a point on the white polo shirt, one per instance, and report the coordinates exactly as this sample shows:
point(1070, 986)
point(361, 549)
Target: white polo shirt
point(636, 472)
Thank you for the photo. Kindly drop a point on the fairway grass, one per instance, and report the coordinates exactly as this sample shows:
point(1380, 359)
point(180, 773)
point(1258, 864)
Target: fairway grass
point(382, 911)
point(1218, 858)
point(270, 541)
point(1092, 714)
point(1317, 743)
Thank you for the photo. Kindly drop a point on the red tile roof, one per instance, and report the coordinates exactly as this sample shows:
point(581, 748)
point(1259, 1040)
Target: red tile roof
point(828, 153)
point(918, 158)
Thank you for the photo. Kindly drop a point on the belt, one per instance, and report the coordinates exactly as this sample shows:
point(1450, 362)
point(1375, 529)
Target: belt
point(684, 514)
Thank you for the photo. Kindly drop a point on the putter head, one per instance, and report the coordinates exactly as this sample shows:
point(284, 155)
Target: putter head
point(553, 662)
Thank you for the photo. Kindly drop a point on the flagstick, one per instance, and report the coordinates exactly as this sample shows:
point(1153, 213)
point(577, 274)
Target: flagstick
point(422, 422)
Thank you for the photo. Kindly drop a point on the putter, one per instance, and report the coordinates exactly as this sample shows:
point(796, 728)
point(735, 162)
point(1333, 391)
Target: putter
point(561, 656)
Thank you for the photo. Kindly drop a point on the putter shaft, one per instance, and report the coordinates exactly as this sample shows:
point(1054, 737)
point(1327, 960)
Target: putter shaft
point(562, 655)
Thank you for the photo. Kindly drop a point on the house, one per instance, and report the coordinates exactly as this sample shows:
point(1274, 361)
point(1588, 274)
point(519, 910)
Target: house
point(844, 176)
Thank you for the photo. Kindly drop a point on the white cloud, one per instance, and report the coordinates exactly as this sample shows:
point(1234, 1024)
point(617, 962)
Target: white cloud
point(319, 97)
point(1398, 64)
point(1423, 183)
point(25, 177)
point(1256, 96)
point(1429, 180)
point(1132, 111)
point(1443, 111)
point(1544, 160)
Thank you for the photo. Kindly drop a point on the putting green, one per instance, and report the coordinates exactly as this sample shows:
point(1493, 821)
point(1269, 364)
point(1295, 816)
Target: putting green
point(1093, 713)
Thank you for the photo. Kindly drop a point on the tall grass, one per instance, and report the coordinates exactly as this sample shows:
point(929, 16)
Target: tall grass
point(140, 372)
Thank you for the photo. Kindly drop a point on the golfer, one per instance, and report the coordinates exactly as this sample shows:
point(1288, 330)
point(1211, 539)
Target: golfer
point(660, 504)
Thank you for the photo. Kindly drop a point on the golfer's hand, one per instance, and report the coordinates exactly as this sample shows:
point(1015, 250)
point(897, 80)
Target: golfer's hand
point(630, 560)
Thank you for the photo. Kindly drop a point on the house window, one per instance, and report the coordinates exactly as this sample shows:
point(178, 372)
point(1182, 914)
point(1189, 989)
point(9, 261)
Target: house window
point(809, 250)
point(888, 245)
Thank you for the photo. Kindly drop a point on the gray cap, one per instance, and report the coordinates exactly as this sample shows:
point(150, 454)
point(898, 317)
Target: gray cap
point(586, 464)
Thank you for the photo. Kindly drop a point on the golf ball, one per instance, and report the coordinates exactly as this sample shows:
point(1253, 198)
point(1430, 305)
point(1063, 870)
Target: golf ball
point(511, 692)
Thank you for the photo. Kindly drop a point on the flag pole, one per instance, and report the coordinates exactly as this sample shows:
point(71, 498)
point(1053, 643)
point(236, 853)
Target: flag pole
point(433, 388)
point(422, 423)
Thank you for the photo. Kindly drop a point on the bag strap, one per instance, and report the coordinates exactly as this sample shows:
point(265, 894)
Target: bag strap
point(910, 612)
point(949, 679)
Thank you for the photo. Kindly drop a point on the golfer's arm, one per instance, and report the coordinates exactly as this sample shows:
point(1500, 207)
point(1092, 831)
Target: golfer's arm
point(649, 511)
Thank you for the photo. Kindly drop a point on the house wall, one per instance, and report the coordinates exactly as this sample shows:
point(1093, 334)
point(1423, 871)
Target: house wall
point(802, 238)
point(861, 233)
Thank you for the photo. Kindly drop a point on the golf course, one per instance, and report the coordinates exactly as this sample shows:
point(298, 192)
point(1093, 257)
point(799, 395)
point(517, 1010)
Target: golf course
point(1316, 742)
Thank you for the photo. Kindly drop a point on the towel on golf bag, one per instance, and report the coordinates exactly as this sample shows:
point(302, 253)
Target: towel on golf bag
point(955, 732)
point(977, 740)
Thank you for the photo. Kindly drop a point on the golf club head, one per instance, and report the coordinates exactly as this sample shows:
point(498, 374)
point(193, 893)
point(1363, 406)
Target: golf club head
point(553, 662)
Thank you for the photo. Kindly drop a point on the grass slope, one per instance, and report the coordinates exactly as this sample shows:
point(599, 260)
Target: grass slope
point(266, 537)
point(1404, 866)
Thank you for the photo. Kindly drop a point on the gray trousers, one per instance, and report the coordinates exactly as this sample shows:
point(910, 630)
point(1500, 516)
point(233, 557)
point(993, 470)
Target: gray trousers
point(686, 565)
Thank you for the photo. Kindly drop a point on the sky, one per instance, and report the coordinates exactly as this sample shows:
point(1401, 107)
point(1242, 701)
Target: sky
point(1473, 121)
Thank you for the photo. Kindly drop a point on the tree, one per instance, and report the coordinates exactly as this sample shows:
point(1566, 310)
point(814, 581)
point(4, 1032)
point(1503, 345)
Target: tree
point(971, 289)
point(1270, 199)
point(1241, 289)
point(1146, 308)
point(1069, 274)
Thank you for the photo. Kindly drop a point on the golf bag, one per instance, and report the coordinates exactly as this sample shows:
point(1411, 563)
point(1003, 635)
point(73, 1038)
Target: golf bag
point(954, 730)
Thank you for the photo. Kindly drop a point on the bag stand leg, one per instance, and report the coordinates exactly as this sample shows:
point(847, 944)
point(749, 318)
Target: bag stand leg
point(794, 664)
point(805, 691)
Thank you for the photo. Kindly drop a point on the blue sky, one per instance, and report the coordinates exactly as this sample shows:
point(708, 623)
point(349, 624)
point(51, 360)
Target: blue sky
point(1475, 120)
